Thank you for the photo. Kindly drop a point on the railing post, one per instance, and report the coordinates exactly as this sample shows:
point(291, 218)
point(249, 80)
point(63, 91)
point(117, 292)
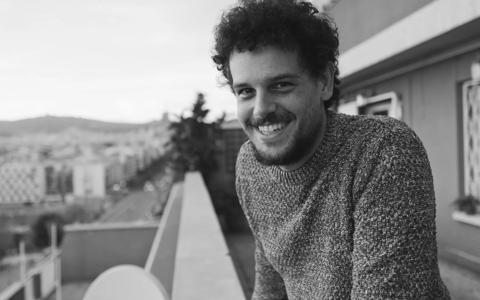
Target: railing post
point(56, 261)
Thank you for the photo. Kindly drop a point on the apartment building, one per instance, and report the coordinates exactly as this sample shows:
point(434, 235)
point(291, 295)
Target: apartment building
point(419, 61)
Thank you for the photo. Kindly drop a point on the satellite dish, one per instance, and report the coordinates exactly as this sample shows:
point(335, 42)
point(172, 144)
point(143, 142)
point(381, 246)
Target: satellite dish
point(126, 282)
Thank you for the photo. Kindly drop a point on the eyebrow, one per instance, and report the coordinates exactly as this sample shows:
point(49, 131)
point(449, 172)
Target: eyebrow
point(275, 78)
point(285, 76)
point(240, 85)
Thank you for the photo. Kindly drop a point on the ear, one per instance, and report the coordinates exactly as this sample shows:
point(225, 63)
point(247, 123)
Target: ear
point(328, 81)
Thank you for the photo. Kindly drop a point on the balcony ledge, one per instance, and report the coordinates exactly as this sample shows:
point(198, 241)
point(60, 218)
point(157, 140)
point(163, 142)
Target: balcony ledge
point(462, 217)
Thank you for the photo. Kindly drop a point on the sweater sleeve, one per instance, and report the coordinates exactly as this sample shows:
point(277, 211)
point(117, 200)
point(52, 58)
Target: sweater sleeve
point(268, 283)
point(394, 248)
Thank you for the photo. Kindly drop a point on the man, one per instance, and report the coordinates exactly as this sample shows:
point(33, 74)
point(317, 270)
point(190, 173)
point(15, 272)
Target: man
point(341, 207)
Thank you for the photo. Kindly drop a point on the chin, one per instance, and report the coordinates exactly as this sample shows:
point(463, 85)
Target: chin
point(271, 157)
point(291, 152)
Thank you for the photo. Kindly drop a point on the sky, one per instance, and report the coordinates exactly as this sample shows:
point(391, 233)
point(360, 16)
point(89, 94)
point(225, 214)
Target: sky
point(110, 60)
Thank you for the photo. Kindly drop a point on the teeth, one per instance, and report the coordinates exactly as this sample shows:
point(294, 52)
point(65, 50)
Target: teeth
point(271, 128)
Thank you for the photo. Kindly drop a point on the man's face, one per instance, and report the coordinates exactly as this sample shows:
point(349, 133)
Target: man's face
point(279, 104)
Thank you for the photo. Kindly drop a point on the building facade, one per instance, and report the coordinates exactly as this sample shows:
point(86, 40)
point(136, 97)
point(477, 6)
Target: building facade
point(89, 180)
point(22, 182)
point(418, 61)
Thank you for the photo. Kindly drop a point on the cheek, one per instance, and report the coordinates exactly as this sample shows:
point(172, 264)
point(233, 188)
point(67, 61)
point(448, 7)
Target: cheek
point(307, 108)
point(300, 105)
point(313, 116)
point(242, 112)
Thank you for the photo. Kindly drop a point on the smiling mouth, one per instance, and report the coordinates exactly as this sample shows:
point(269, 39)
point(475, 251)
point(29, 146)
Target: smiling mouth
point(270, 129)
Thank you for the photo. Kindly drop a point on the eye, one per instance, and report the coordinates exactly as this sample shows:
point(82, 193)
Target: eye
point(245, 93)
point(283, 86)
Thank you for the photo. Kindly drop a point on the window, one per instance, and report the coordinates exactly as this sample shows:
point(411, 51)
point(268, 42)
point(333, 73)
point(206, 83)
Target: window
point(471, 137)
point(386, 104)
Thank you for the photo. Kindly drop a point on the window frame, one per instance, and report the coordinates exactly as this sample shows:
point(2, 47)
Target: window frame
point(362, 103)
point(466, 86)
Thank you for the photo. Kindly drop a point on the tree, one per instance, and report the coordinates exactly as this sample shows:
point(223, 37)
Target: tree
point(41, 229)
point(192, 145)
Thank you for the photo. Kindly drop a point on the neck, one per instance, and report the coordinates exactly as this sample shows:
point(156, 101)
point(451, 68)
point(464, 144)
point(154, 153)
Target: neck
point(310, 153)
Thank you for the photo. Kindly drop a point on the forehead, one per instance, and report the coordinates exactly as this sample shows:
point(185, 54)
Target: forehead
point(263, 64)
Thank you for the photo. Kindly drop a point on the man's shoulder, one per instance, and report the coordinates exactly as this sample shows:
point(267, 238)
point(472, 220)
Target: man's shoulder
point(246, 158)
point(368, 138)
point(370, 123)
point(246, 152)
point(371, 128)
point(393, 132)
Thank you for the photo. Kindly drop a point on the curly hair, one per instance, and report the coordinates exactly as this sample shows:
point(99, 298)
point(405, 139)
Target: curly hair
point(286, 24)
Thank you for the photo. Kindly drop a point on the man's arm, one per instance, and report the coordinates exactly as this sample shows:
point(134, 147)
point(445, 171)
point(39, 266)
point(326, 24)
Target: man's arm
point(268, 283)
point(395, 252)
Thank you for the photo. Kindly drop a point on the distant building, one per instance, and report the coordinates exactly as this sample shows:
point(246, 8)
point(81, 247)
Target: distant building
point(58, 180)
point(221, 183)
point(130, 166)
point(139, 155)
point(419, 61)
point(22, 182)
point(128, 158)
point(89, 180)
point(114, 173)
point(232, 138)
point(77, 162)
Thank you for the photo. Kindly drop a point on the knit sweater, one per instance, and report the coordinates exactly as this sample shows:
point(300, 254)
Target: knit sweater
point(356, 221)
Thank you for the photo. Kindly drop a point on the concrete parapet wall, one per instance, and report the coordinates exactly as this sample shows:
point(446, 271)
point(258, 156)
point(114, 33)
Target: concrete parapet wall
point(161, 260)
point(90, 249)
point(203, 266)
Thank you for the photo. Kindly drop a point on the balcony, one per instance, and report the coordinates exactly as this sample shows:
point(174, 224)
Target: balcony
point(183, 256)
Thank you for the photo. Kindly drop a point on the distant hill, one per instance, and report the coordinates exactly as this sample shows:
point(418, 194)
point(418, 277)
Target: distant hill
point(53, 124)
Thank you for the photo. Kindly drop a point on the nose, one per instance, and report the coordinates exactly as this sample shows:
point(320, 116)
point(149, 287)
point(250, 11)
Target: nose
point(264, 104)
